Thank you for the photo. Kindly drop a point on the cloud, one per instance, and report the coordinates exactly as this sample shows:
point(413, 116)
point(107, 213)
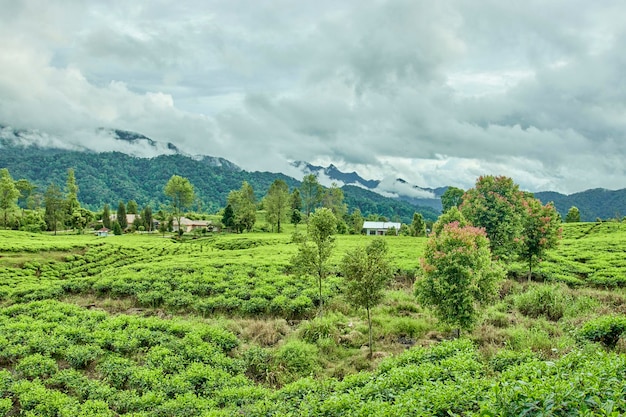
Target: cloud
point(435, 93)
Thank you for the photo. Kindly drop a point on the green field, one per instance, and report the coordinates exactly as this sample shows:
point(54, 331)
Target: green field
point(219, 325)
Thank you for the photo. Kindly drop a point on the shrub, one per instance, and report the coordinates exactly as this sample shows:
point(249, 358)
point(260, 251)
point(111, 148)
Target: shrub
point(604, 329)
point(79, 356)
point(36, 366)
point(258, 362)
point(296, 359)
point(549, 301)
point(506, 358)
point(319, 328)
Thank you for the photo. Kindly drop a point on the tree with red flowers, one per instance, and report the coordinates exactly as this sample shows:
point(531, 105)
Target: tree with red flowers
point(541, 231)
point(496, 203)
point(459, 275)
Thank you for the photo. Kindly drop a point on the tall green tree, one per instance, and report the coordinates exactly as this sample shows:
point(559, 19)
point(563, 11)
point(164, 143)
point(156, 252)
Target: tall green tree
point(55, 207)
point(452, 197)
point(106, 216)
point(71, 193)
point(356, 222)
point(9, 195)
point(243, 203)
point(81, 217)
point(450, 216)
point(333, 199)
point(314, 252)
point(418, 226)
point(131, 207)
point(146, 217)
point(458, 275)
point(277, 203)
point(27, 190)
point(228, 218)
point(311, 192)
point(573, 215)
point(496, 203)
point(121, 215)
point(367, 272)
point(181, 194)
point(542, 231)
point(296, 207)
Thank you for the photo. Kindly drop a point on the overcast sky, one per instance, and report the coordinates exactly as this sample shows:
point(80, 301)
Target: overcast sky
point(435, 92)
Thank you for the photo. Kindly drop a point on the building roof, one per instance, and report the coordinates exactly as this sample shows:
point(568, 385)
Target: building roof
point(188, 222)
point(381, 225)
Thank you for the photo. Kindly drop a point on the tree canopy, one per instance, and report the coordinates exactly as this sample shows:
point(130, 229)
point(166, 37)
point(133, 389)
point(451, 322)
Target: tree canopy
point(459, 275)
point(181, 194)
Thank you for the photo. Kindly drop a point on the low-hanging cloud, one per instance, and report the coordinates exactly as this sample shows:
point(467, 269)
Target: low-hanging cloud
point(435, 93)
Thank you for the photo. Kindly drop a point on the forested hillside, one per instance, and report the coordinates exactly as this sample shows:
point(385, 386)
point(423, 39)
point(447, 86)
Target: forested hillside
point(114, 176)
point(592, 204)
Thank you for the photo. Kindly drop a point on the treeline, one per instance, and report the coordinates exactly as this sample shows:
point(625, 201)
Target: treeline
point(106, 178)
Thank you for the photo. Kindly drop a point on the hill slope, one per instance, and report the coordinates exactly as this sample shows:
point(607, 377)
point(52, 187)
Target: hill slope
point(113, 176)
point(592, 204)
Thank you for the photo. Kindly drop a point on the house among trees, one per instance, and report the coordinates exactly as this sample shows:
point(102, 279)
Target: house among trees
point(380, 228)
point(102, 232)
point(188, 225)
point(130, 218)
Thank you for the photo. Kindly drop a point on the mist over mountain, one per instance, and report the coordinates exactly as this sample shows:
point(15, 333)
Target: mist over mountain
point(129, 165)
point(112, 176)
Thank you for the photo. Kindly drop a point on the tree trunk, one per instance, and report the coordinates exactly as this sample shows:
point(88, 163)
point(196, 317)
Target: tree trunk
point(369, 324)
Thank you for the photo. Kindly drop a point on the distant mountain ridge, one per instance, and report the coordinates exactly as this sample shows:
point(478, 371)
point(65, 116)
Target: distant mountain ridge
point(136, 170)
point(396, 188)
point(592, 204)
point(109, 177)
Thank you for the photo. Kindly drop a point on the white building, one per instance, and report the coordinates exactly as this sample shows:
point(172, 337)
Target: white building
point(380, 228)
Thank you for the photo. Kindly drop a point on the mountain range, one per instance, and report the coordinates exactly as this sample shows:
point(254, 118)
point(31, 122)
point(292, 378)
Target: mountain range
point(129, 165)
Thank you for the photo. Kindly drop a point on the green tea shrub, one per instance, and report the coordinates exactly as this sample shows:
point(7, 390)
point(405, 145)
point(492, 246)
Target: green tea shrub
point(549, 301)
point(6, 405)
point(296, 359)
point(506, 358)
point(300, 306)
point(79, 356)
point(36, 366)
point(258, 364)
point(255, 306)
point(319, 328)
point(153, 299)
point(605, 329)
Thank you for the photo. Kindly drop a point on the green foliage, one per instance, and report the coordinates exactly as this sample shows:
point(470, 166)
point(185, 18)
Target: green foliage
point(541, 231)
point(452, 215)
point(549, 301)
point(496, 204)
point(311, 192)
point(604, 329)
point(314, 253)
point(277, 203)
point(71, 196)
point(367, 272)
point(121, 218)
point(117, 229)
point(36, 366)
point(181, 195)
point(9, 195)
point(459, 275)
point(332, 199)
point(106, 216)
point(296, 359)
point(452, 197)
point(243, 203)
point(418, 226)
point(573, 215)
point(54, 207)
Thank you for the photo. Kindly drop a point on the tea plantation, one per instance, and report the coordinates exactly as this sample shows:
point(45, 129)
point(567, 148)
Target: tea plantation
point(220, 325)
